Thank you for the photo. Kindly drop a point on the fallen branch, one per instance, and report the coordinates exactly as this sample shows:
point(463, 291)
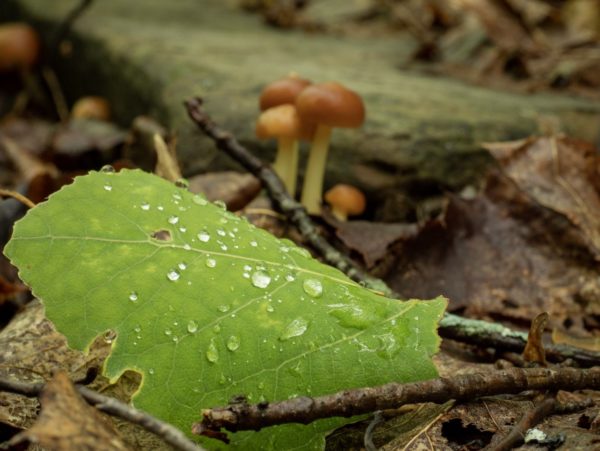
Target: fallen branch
point(114, 407)
point(480, 333)
point(348, 403)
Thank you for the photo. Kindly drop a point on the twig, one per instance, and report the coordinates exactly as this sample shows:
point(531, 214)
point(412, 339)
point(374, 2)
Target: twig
point(114, 407)
point(529, 420)
point(243, 416)
point(284, 202)
point(17, 196)
point(66, 25)
point(480, 333)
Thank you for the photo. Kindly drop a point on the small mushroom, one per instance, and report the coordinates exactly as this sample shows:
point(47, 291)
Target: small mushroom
point(19, 47)
point(282, 91)
point(91, 107)
point(329, 105)
point(345, 200)
point(282, 122)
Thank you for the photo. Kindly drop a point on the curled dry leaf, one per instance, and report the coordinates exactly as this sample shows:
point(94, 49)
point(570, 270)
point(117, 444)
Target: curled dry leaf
point(67, 422)
point(534, 349)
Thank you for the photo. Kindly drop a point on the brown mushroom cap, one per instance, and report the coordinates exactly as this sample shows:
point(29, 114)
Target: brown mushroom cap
point(91, 107)
point(282, 91)
point(19, 46)
point(331, 104)
point(282, 122)
point(346, 198)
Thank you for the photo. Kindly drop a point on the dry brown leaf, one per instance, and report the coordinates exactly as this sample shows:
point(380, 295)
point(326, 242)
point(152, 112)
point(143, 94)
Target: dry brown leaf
point(534, 349)
point(67, 422)
point(234, 188)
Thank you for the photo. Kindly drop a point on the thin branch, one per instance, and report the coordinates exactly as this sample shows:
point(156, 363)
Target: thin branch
point(114, 407)
point(348, 403)
point(480, 333)
point(17, 196)
point(67, 24)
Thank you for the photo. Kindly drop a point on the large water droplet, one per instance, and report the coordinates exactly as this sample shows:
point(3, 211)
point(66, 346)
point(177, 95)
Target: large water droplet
point(204, 236)
point(353, 315)
point(261, 279)
point(233, 343)
point(212, 353)
point(294, 329)
point(173, 219)
point(145, 206)
point(211, 262)
point(173, 275)
point(199, 199)
point(107, 169)
point(312, 287)
point(192, 326)
point(133, 296)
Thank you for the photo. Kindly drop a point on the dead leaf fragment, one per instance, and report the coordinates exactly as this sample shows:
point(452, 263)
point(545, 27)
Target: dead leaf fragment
point(235, 189)
point(67, 422)
point(534, 349)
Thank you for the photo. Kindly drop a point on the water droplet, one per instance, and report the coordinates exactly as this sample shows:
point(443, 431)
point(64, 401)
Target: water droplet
point(137, 329)
point(133, 296)
point(109, 336)
point(224, 308)
point(223, 247)
point(261, 279)
point(173, 275)
point(160, 208)
point(221, 232)
point(145, 206)
point(199, 199)
point(173, 219)
point(168, 332)
point(204, 236)
point(313, 287)
point(182, 183)
point(233, 343)
point(211, 262)
point(246, 275)
point(212, 353)
point(108, 187)
point(175, 339)
point(253, 243)
point(261, 385)
point(107, 169)
point(270, 308)
point(294, 329)
point(290, 278)
point(187, 247)
point(151, 371)
point(182, 229)
point(182, 266)
point(247, 268)
point(353, 316)
point(220, 204)
point(216, 328)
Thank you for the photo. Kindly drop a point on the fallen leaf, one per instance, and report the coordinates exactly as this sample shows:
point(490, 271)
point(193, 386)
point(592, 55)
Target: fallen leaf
point(234, 188)
point(534, 349)
point(67, 422)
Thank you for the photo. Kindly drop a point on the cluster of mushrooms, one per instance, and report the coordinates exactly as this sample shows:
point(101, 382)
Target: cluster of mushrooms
point(295, 109)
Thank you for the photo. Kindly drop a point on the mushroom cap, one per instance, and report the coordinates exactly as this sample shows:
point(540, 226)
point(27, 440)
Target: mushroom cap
point(19, 46)
point(346, 198)
point(91, 107)
point(282, 122)
point(282, 91)
point(331, 104)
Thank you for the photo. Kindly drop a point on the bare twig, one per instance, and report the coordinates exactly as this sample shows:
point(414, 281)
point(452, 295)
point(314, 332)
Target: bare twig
point(67, 24)
point(243, 416)
point(17, 196)
point(480, 333)
point(114, 407)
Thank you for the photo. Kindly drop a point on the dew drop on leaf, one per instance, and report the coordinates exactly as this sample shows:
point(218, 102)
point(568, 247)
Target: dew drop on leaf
point(211, 262)
point(261, 279)
point(233, 343)
point(109, 336)
point(151, 371)
point(224, 308)
point(107, 169)
point(168, 332)
point(199, 199)
point(137, 329)
point(290, 278)
point(312, 287)
point(182, 183)
point(173, 219)
point(108, 187)
point(173, 275)
point(216, 328)
point(145, 206)
point(204, 236)
point(270, 308)
point(133, 296)
point(294, 329)
point(182, 266)
point(220, 204)
point(192, 326)
point(182, 229)
point(187, 247)
point(212, 353)
point(221, 232)
point(253, 243)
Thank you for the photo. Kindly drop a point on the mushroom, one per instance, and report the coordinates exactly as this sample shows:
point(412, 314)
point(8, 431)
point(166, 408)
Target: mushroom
point(19, 47)
point(329, 105)
point(345, 200)
point(284, 92)
point(91, 107)
point(282, 122)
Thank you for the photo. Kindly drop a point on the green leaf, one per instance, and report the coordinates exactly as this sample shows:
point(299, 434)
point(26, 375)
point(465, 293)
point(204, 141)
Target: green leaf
point(207, 306)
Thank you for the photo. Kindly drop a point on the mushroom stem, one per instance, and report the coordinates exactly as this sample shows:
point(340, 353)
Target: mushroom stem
point(312, 190)
point(339, 213)
point(286, 163)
